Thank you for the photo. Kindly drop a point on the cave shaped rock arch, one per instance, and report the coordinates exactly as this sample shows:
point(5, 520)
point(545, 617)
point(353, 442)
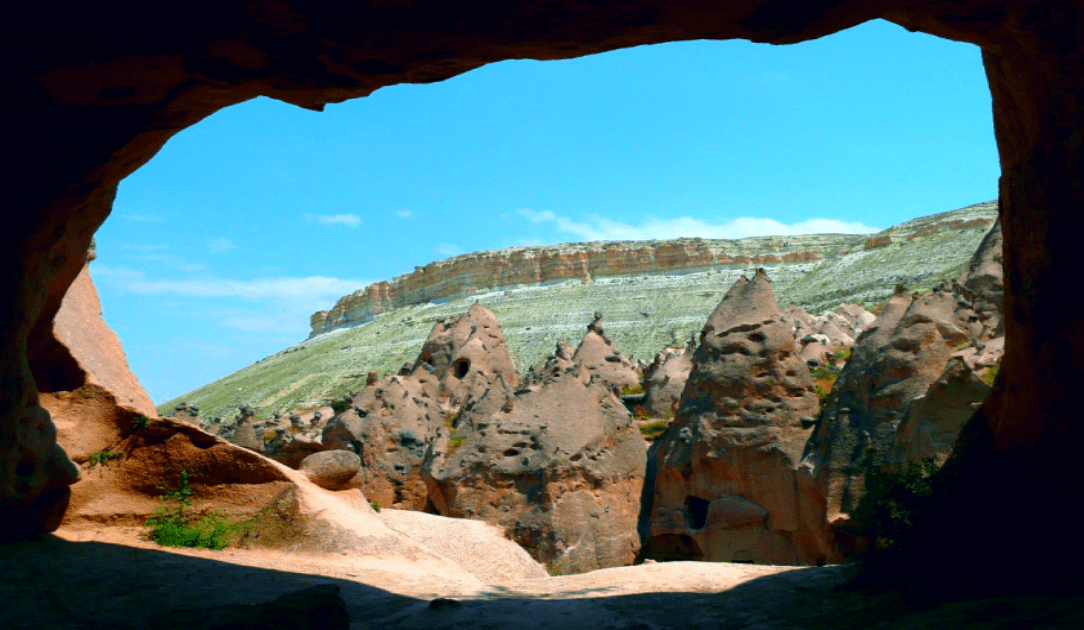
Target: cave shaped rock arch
point(95, 90)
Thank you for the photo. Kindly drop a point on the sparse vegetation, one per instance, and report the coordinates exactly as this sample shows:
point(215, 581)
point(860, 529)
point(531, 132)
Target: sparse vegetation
point(102, 458)
point(632, 390)
point(653, 430)
point(375, 505)
point(450, 421)
point(172, 525)
point(456, 442)
point(140, 422)
point(989, 375)
point(890, 511)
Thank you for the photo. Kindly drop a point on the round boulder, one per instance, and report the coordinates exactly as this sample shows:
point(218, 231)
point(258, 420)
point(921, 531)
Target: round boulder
point(331, 469)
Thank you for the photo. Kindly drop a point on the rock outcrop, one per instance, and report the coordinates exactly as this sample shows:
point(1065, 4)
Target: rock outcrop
point(664, 380)
point(597, 355)
point(559, 468)
point(727, 483)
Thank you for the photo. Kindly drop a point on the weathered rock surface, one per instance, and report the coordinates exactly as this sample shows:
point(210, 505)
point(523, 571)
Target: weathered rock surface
point(912, 382)
point(664, 380)
point(101, 396)
point(331, 469)
point(558, 468)
point(597, 354)
point(389, 425)
point(727, 477)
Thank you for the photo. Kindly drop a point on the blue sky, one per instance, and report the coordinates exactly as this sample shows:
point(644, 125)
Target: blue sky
point(219, 249)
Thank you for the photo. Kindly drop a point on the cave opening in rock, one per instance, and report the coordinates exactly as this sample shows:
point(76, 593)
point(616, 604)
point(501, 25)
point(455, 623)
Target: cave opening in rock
point(696, 512)
point(462, 367)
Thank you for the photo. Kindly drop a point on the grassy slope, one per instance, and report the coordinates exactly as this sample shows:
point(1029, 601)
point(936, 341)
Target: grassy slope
point(642, 314)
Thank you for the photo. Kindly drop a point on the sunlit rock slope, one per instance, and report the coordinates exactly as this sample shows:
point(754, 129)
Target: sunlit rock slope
point(652, 294)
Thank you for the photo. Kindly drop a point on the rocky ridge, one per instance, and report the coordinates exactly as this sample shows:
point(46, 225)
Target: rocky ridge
point(645, 311)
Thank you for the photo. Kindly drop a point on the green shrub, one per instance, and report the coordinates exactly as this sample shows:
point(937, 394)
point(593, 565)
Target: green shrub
point(456, 442)
point(376, 506)
point(172, 525)
point(102, 458)
point(653, 430)
point(450, 421)
point(140, 422)
point(632, 390)
point(991, 374)
point(891, 508)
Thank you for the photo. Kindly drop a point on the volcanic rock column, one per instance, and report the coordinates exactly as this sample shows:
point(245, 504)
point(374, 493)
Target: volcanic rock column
point(727, 486)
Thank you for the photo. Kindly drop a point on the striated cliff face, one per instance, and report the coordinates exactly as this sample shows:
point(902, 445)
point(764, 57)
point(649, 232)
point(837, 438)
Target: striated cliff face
point(481, 272)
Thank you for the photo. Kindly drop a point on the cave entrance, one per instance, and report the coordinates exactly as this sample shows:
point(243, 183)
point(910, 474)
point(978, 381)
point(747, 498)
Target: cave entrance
point(461, 367)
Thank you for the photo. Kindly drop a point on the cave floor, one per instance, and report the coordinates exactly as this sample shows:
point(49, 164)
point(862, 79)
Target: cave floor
point(102, 577)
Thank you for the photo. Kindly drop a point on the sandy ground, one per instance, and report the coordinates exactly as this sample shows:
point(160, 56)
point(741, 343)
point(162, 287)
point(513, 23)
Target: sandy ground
point(93, 577)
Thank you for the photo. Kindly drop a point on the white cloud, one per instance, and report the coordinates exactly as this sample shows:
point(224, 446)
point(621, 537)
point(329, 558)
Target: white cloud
point(601, 229)
point(447, 249)
point(143, 218)
point(313, 288)
point(220, 245)
point(404, 214)
point(349, 220)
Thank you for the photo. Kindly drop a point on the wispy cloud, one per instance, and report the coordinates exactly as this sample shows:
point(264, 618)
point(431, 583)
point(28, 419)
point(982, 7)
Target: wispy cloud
point(349, 220)
point(310, 288)
point(404, 214)
point(601, 229)
point(142, 218)
point(447, 249)
point(220, 245)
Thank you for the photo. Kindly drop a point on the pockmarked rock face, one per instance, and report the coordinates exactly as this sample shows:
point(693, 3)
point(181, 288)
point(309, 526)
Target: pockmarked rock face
point(913, 380)
point(664, 380)
point(727, 484)
point(389, 424)
point(559, 468)
point(597, 354)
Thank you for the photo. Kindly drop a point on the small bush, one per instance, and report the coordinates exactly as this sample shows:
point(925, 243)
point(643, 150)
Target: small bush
point(172, 525)
point(456, 442)
point(632, 390)
point(102, 458)
point(376, 506)
point(991, 374)
point(891, 508)
point(653, 430)
point(140, 422)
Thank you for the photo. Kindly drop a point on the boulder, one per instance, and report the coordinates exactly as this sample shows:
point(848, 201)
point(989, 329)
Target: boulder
point(727, 483)
point(559, 469)
point(331, 469)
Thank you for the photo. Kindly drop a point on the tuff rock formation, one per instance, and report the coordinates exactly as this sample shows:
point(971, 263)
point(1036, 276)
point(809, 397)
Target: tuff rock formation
point(597, 354)
point(559, 468)
point(728, 486)
point(664, 380)
point(913, 380)
point(389, 426)
point(391, 422)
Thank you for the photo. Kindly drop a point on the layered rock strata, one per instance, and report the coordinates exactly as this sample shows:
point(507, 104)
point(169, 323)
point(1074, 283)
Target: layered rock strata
point(727, 485)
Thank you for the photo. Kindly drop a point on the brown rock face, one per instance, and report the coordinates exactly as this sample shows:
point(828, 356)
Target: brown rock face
point(389, 426)
point(664, 380)
point(99, 89)
point(727, 476)
point(597, 354)
point(559, 468)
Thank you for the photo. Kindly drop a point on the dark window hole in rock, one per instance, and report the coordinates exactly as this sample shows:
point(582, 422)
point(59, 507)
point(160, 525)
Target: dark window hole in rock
point(461, 368)
point(696, 512)
point(743, 556)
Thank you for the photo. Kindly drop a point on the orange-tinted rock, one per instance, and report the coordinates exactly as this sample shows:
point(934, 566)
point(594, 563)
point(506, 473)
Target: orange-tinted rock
point(727, 477)
point(105, 396)
point(664, 380)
